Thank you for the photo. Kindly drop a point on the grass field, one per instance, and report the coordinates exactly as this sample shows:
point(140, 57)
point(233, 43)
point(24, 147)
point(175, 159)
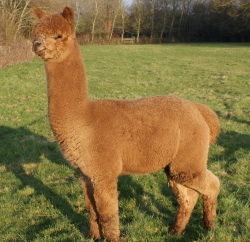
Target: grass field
point(40, 195)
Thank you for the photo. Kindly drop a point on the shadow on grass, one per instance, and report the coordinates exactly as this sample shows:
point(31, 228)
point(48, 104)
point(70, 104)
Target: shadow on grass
point(19, 147)
point(233, 142)
point(129, 189)
point(234, 176)
point(235, 145)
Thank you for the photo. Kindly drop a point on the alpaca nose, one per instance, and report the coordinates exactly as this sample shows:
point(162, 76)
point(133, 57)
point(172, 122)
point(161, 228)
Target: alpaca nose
point(37, 43)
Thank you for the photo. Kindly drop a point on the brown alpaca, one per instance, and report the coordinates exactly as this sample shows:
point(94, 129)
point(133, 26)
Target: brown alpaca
point(105, 139)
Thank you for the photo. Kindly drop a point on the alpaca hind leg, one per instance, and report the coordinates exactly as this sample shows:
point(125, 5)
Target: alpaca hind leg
point(95, 227)
point(187, 199)
point(209, 197)
point(106, 198)
point(208, 185)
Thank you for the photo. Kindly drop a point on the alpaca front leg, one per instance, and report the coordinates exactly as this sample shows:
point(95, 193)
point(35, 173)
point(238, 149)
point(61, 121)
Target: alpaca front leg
point(106, 198)
point(95, 228)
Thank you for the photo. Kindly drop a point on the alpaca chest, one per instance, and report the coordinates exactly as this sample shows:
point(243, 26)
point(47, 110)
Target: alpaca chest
point(75, 145)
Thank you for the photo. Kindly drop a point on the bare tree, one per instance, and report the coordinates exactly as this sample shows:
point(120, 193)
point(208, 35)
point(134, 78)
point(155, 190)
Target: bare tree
point(123, 17)
point(138, 17)
point(52, 6)
point(13, 16)
point(116, 9)
point(185, 8)
point(186, 19)
point(234, 8)
point(164, 8)
point(97, 5)
point(77, 7)
point(23, 14)
point(152, 20)
point(174, 5)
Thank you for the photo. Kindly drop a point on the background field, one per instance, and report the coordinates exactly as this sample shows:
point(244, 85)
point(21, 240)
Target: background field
point(40, 195)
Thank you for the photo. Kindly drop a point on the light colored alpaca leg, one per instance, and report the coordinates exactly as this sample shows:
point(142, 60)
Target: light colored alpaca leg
point(208, 185)
point(106, 198)
point(187, 199)
point(95, 228)
point(209, 197)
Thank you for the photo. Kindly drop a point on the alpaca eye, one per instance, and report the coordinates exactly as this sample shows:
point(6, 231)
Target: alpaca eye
point(58, 37)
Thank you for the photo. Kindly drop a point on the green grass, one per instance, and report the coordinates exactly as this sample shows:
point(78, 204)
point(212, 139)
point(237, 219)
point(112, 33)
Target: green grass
point(40, 195)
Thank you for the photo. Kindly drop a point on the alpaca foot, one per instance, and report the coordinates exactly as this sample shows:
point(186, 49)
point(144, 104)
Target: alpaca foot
point(176, 230)
point(209, 224)
point(95, 231)
point(95, 235)
point(112, 238)
point(111, 228)
point(209, 213)
point(208, 219)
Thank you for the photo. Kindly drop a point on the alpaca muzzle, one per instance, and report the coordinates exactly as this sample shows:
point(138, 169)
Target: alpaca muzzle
point(37, 42)
point(37, 46)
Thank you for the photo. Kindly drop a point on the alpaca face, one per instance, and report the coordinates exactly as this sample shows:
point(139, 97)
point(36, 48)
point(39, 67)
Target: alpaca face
point(52, 34)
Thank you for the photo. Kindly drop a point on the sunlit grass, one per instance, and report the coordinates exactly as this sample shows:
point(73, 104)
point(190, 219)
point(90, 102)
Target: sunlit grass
point(40, 195)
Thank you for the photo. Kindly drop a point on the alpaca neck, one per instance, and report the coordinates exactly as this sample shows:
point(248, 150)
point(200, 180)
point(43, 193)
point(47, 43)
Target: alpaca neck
point(67, 87)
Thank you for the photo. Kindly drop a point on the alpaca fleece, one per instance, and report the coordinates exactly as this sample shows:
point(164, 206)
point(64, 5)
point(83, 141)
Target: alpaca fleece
point(105, 139)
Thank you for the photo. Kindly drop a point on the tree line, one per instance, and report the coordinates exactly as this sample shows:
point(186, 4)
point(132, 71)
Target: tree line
point(147, 21)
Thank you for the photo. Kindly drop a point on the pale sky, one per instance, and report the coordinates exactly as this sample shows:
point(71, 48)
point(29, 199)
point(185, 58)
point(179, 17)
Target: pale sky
point(128, 1)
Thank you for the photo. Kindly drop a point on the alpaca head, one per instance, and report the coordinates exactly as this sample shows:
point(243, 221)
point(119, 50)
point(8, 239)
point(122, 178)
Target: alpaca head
point(53, 34)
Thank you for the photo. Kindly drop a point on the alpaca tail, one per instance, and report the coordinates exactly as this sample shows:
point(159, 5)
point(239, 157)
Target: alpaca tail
point(211, 119)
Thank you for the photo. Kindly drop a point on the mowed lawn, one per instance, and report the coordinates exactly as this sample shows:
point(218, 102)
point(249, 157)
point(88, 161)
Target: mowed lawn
point(40, 195)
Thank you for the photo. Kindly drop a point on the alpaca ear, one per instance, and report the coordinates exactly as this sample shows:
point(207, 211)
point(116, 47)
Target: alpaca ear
point(39, 13)
point(69, 15)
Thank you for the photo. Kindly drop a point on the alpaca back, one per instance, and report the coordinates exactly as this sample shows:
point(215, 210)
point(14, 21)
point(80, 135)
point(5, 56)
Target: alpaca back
point(211, 119)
